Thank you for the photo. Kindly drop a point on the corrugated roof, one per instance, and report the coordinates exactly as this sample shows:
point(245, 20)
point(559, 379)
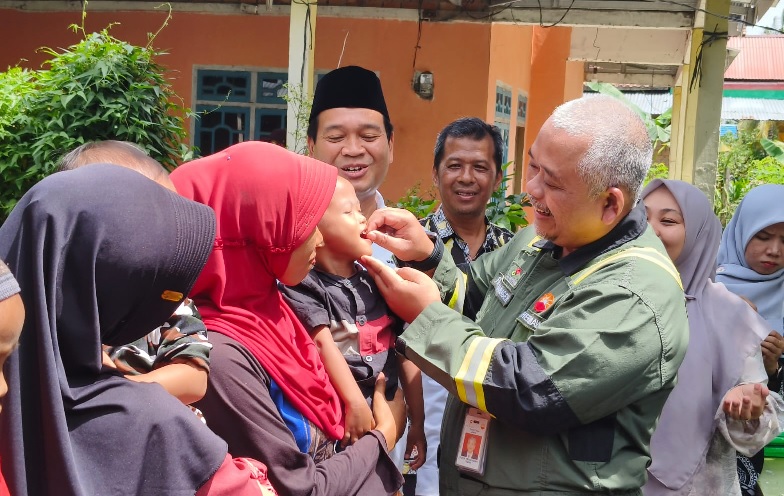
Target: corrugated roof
point(761, 58)
point(757, 109)
point(752, 108)
point(653, 102)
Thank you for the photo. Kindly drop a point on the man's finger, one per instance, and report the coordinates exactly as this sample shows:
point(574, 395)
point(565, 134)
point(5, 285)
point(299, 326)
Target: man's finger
point(381, 384)
point(392, 218)
point(413, 275)
point(399, 246)
point(381, 272)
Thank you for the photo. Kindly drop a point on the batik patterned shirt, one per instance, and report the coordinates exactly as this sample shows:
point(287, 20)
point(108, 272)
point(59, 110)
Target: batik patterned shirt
point(182, 339)
point(436, 222)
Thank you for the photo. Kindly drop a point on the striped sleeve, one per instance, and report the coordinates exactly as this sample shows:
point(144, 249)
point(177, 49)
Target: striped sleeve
point(498, 376)
point(463, 286)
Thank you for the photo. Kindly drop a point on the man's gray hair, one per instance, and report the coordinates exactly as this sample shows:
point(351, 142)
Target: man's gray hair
point(122, 153)
point(620, 151)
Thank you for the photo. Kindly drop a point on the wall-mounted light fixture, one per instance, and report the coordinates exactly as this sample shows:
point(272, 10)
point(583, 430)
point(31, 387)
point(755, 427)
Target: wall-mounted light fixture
point(423, 84)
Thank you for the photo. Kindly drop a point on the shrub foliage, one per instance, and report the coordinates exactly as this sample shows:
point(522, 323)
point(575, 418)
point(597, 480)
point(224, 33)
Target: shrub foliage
point(101, 88)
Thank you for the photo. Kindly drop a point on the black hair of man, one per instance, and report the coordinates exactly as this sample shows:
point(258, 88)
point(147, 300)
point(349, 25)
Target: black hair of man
point(122, 153)
point(475, 129)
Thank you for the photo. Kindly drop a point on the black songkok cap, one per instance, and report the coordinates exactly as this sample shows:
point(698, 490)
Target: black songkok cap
point(350, 87)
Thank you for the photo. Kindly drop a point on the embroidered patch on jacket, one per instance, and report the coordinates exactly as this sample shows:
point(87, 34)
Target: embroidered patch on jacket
point(532, 320)
point(544, 302)
point(501, 292)
point(513, 276)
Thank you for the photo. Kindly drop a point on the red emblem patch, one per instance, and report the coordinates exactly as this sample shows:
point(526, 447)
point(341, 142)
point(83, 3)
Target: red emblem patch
point(545, 302)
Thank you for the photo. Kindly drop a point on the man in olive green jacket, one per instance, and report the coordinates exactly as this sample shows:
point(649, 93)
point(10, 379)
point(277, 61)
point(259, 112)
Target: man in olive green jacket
point(581, 324)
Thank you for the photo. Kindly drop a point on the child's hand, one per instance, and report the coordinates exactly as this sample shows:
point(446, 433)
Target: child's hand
point(105, 359)
point(745, 402)
point(416, 446)
point(359, 421)
point(772, 348)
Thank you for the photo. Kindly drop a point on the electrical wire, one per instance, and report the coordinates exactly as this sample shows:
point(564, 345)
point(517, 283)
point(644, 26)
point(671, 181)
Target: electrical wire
point(307, 33)
point(708, 37)
point(693, 8)
point(419, 32)
point(539, 2)
point(714, 14)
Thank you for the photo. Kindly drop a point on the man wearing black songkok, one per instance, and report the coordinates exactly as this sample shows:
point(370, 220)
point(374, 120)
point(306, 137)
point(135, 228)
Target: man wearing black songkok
point(349, 128)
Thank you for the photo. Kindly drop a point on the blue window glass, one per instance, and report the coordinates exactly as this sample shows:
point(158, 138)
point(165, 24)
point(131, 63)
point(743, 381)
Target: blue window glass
point(237, 105)
point(503, 102)
point(268, 120)
point(219, 128)
point(270, 87)
point(220, 86)
point(504, 128)
point(522, 108)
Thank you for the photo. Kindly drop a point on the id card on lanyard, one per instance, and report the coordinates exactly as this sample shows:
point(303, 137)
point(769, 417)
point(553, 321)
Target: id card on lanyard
point(472, 454)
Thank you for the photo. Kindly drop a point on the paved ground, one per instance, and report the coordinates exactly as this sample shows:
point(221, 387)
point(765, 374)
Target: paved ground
point(772, 479)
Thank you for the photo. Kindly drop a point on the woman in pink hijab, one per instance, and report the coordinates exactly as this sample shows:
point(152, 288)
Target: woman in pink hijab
point(269, 395)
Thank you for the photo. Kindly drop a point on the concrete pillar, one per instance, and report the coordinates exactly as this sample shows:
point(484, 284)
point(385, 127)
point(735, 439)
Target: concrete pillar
point(676, 131)
point(302, 46)
point(549, 54)
point(697, 105)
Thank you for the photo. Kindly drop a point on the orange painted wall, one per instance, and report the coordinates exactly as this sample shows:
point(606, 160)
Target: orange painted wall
point(456, 54)
point(549, 52)
point(573, 80)
point(510, 64)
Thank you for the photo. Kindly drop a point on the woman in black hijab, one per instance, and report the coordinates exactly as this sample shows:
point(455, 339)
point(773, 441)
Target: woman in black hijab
point(102, 255)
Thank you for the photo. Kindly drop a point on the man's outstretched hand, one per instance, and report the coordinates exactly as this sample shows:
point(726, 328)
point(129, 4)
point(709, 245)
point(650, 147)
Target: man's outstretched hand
point(407, 291)
point(399, 231)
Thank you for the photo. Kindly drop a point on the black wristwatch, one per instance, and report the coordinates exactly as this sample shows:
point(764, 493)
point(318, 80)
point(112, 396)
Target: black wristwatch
point(431, 262)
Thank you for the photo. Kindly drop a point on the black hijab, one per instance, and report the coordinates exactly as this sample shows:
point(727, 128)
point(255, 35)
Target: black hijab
point(102, 255)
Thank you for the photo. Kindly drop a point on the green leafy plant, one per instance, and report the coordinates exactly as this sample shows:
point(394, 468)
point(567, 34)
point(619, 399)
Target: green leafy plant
point(502, 209)
point(657, 171)
point(745, 161)
point(737, 155)
point(507, 210)
point(101, 88)
point(301, 102)
point(419, 204)
point(774, 149)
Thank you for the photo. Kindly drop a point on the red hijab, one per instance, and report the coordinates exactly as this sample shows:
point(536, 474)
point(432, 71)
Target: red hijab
point(267, 201)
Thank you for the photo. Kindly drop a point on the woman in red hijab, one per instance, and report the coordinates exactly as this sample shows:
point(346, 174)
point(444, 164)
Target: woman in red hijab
point(269, 395)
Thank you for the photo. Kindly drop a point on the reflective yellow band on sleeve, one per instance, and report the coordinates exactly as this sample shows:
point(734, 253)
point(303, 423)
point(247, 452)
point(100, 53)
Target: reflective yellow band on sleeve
point(457, 300)
point(648, 254)
point(470, 377)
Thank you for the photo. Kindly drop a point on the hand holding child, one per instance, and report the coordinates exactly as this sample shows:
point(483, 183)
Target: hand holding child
point(416, 445)
point(359, 421)
point(390, 415)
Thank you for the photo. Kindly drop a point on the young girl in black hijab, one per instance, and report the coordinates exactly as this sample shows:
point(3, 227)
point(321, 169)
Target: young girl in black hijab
point(103, 255)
